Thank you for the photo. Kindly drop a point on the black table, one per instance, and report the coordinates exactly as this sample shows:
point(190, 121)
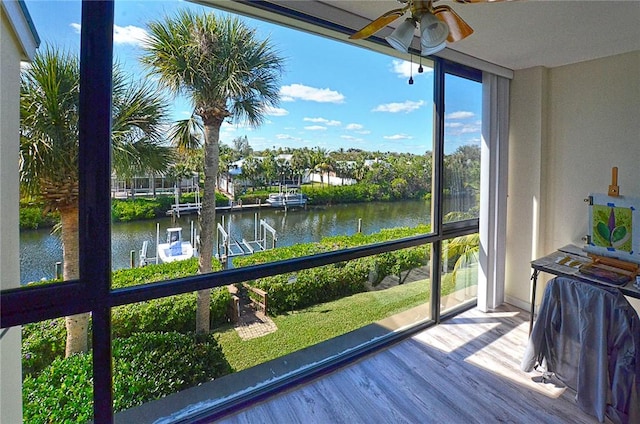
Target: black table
point(569, 269)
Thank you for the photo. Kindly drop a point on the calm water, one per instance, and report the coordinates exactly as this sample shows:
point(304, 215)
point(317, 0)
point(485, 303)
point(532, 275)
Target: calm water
point(40, 250)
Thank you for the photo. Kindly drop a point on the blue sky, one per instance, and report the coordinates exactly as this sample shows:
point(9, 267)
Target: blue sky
point(333, 95)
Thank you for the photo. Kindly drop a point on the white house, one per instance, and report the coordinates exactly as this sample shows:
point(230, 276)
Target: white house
point(18, 42)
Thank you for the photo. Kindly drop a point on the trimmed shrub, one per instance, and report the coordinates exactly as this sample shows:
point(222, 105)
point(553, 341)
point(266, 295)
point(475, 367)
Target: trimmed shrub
point(175, 313)
point(309, 287)
point(44, 341)
point(147, 366)
point(288, 292)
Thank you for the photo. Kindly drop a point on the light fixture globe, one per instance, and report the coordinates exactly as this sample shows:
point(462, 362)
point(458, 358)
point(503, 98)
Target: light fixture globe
point(400, 39)
point(433, 31)
point(426, 51)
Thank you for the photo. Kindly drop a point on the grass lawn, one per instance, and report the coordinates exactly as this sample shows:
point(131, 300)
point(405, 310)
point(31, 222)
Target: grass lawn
point(300, 329)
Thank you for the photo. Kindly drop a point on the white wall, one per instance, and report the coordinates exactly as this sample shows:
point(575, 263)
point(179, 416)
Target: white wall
point(569, 126)
point(10, 364)
point(18, 41)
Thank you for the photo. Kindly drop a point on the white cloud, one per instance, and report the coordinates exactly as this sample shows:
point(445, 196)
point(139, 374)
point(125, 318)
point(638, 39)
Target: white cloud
point(293, 92)
point(354, 127)
point(315, 128)
point(398, 137)
point(287, 137)
point(458, 128)
point(275, 111)
point(350, 138)
point(462, 114)
point(130, 34)
point(405, 69)
point(331, 123)
point(406, 107)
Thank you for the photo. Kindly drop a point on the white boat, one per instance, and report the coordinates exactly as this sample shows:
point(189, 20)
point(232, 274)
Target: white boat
point(288, 198)
point(175, 249)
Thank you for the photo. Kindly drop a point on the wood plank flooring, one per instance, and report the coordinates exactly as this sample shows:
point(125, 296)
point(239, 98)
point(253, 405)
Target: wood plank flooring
point(466, 370)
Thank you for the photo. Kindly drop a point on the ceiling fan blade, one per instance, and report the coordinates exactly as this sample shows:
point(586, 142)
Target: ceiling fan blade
point(458, 28)
point(379, 23)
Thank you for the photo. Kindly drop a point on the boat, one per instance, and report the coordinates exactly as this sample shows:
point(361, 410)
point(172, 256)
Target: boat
point(287, 198)
point(175, 248)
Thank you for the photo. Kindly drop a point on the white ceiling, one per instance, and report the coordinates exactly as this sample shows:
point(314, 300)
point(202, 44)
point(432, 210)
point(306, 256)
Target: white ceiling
point(513, 34)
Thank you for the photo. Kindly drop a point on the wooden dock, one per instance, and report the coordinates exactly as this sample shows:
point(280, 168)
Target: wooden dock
point(191, 208)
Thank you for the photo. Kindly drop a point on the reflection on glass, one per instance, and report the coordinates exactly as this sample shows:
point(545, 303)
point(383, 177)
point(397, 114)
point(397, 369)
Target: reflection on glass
point(459, 271)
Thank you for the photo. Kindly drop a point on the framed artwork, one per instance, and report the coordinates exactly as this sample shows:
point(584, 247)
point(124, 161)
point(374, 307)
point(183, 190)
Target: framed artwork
point(614, 227)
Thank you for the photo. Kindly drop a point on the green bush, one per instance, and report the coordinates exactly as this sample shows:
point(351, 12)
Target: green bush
point(175, 313)
point(149, 208)
point(309, 287)
point(139, 208)
point(361, 192)
point(44, 341)
point(33, 217)
point(146, 366)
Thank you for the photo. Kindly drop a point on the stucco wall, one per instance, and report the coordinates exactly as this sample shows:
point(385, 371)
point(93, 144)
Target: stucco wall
point(569, 126)
point(10, 364)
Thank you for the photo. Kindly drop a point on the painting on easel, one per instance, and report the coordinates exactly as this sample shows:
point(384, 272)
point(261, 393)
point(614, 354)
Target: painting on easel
point(614, 227)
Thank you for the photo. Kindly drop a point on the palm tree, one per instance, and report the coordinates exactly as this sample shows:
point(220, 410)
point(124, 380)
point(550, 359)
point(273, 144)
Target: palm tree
point(49, 96)
point(228, 74)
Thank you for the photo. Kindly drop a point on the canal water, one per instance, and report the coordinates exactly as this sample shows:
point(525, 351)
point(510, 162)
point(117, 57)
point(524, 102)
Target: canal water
point(40, 250)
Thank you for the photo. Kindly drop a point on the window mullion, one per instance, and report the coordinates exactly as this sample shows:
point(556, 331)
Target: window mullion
point(94, 168)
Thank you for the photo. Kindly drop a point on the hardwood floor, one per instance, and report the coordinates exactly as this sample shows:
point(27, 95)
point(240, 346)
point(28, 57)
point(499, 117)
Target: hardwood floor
point(465, 370)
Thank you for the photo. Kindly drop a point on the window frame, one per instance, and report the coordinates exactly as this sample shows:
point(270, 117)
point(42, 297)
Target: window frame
point(92, 292)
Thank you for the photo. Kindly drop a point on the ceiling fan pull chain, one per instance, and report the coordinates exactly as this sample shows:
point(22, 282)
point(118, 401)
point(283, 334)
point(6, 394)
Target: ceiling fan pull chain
point(411, 70)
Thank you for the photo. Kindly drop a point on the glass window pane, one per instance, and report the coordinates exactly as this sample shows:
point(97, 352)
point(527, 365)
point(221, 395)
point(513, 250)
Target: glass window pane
point(49, 146)
point(310, 316)
point(459, 283)
point(462, 136)
point(332, 157)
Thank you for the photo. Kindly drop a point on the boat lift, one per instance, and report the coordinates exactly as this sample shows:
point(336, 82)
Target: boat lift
point(228, 246)
point(146, 260)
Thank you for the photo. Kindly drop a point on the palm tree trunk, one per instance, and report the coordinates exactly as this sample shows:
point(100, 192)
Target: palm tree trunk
point(207, 221)
point(76, 325)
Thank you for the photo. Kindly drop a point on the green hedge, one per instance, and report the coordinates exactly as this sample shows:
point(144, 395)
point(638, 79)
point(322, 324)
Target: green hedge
point(147, 366)
point(32, 214)
point(327, 195)
point(44, 341)
point(287, 292)
point(140, 208)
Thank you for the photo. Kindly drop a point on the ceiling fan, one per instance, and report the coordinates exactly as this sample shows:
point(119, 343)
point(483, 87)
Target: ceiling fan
point(437, 25)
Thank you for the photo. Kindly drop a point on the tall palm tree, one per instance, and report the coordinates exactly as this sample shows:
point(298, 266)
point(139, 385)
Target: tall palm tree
point(49, 96)
point(228, 74)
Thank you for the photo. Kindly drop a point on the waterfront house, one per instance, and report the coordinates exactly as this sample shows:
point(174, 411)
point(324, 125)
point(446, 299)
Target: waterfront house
point(561, 99)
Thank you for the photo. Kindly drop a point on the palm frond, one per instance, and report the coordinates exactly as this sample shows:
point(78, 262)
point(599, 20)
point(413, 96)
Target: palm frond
point(186, 134)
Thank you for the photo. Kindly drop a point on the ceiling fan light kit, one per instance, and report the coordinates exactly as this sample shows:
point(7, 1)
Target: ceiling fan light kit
point(426, 51)
point(400, 39)
point(433, 31)
point(438, 25)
